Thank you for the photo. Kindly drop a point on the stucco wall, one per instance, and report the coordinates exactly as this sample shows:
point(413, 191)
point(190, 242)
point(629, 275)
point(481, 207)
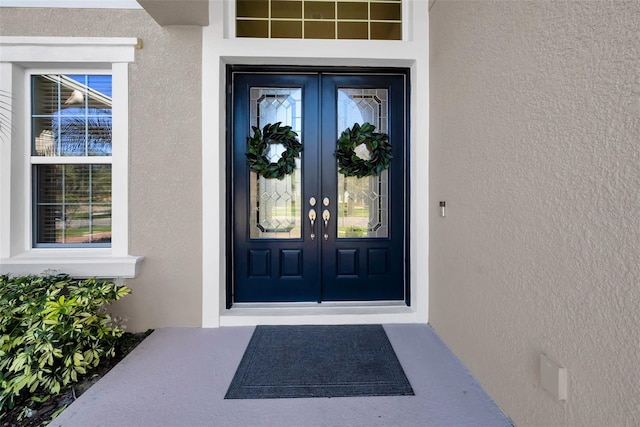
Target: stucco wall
point(535, 146)
point(165, 155)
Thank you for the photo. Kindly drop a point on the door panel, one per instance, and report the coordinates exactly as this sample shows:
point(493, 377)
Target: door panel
point(364, 256)
point(271, 259)
point(354, 248)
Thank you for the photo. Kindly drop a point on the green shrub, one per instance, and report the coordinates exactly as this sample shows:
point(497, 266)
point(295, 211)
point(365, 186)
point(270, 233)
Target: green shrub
point(53, 329)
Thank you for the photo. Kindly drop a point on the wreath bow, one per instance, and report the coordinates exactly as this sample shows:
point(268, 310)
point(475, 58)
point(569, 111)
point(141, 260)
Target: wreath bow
point(349, 164)
point(258, 144)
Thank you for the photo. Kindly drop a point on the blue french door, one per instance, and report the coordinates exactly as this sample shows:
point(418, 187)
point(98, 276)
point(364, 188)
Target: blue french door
point(317, 235)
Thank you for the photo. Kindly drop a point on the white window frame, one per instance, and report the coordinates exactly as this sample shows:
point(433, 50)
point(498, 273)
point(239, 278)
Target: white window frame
point(20, 57)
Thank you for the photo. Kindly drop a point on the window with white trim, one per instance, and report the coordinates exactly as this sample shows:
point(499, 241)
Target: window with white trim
point(64, 156)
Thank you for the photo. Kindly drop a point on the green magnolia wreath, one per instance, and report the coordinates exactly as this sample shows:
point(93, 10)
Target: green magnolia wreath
point(349, 164)
point(258, 144)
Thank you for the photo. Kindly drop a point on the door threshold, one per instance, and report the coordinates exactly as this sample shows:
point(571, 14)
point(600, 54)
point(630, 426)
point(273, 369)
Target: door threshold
point(254, 305)
point(368, 312)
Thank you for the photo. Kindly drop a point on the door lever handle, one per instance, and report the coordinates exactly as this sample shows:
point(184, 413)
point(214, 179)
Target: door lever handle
point(312, 220)
point(326, 215)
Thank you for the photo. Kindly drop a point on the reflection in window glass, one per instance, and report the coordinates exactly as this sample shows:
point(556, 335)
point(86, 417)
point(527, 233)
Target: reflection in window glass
point(71, 115)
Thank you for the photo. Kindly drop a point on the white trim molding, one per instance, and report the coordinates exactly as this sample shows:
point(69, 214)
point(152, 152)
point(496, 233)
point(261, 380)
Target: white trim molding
point(76, 263)
point(64, 50)
point(73, 4)
point(19, 56)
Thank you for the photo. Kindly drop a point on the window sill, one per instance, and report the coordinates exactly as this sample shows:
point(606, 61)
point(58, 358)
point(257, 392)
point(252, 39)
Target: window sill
point(83, 263)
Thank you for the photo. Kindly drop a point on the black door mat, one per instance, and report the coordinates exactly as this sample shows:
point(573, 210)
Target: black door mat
point(318, 361)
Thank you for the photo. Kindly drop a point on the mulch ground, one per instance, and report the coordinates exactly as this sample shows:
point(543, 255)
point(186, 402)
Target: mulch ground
point(41, 414)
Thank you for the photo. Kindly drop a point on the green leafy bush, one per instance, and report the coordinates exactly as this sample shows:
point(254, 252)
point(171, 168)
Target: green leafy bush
point(53, 329)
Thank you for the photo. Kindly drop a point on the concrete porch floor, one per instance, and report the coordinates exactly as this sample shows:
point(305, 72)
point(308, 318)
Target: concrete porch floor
point(179, 376)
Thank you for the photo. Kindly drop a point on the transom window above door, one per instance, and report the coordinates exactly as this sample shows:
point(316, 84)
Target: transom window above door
point(320, 19)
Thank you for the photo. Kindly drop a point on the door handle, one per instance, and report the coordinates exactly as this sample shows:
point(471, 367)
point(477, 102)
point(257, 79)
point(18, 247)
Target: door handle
point(312, 220)
point(326, 215)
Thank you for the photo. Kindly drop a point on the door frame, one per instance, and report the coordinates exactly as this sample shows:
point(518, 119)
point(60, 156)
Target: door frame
point(229, 172)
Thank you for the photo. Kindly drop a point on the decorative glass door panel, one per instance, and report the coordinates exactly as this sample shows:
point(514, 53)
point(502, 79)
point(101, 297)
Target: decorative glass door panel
point(275, 203)
point(363, 202)
point(316, 234)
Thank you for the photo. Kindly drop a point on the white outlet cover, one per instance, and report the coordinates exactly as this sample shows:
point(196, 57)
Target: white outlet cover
point(553, 377)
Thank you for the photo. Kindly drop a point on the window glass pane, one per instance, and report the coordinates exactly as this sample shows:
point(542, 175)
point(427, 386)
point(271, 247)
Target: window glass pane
point(252, 8)
point(353, 10)
point(71, 115)
point(275, 205)
point(363, 203)
point(286, 29)
point(286, 9)
point(353, 30)
point(319, 10)
point(72, 204)
point(319, 30)
point(385, 11)
point(258, 29)
point(386, 31)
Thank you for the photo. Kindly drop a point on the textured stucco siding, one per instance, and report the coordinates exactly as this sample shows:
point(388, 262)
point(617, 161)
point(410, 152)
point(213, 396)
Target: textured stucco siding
point(535, 146)
point(164, 155)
